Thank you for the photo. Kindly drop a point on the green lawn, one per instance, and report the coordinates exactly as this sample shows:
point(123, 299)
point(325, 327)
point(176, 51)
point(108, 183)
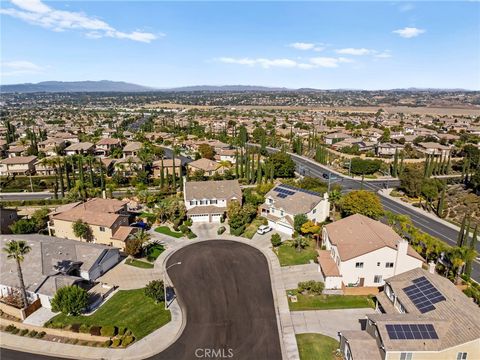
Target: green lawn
point(127, 308)
point(154, 251)
point(328, 302)
point(167, 231)
point(317, 346)
point(288, 255)
point(138, 263)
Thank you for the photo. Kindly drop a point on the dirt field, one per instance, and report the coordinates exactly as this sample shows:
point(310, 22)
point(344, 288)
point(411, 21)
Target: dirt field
point(440, 111)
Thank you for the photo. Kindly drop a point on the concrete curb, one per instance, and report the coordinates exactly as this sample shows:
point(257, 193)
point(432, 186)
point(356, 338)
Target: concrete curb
point(145, 347)
point(386, 193)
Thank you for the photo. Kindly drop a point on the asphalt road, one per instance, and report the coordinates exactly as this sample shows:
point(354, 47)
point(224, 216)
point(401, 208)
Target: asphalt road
point(423, 222)
point(225, 288)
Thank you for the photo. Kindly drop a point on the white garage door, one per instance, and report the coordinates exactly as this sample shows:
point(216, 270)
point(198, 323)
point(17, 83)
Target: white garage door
point(199, 218)
point(216, 218)
point(280, 227)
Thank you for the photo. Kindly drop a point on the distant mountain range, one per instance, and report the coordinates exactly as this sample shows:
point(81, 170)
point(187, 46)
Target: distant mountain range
point(120, 86)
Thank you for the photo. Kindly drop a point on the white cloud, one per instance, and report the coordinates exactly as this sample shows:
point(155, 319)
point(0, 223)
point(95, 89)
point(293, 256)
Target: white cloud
point(409, 32)
point(311, 63)
point(37, 13)
point(306, 46)
point(406, 7)
point(19, 67)
point(383, 55)
point(354, 51)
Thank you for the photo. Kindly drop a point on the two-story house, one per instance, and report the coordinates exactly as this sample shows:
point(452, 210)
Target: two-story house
point(104, 146)
point(18, 165)
point(360, 251)
point(108, 221)
point(81, 148)
point(283, 202)
point(207, 166)
point(207, 201)
point(419, 316)
point(51, 146)
point(132, 149)
point(167, 167)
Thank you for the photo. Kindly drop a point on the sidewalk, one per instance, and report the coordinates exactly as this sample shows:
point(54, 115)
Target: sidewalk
point(160, 339)
point(386, 193)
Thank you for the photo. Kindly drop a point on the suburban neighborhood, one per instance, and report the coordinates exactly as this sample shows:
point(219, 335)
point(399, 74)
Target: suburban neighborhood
point(252, 180)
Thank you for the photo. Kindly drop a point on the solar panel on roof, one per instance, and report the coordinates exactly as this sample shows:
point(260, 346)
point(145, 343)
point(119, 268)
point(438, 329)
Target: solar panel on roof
point(411, 332)
point(283, 196)
point(298, 189)
point(423, 294)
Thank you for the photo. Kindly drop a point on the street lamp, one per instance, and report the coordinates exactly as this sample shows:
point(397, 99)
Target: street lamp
point(165, 282)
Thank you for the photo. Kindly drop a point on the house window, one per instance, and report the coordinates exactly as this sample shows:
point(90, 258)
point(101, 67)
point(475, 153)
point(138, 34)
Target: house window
point(213, 202)
point(462, 356)
point(102, 228)
point(281, 213)
point(377, 279)
point(405, 356)
point(270, 201)
point(193, 202)
point(314, 211)
point(359, 265)
point(389, 265)
point(203, 202)
point(378, 264)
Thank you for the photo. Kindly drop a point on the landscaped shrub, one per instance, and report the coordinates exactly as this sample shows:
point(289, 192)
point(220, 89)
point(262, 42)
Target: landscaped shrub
point(191, 235)
point(107, 343)
point(116, 342)
point(183, 228)
point(15, 331)
point(127, 340)
point(108, 330)
point(55, 325)
point(75, 341)
point(221, 230)
point(121, 331)
point(188, 222)
point(75, 328)
point(276, 240)
point(311, 286)
point(84, 328)
point(23, 332)
point(128, 333)
point(33, 333)
point(95, 330)
point(41, 334)
point(10, 328)
point(238, 231)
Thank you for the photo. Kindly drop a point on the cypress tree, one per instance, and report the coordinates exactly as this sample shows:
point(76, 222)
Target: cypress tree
point(402, 166)
point(259, 170)
point(472, 246)
point(174, 175)
point(236, 164)
point(395, 164)
point(441, 203)
point(426, 166)
point(461, 233)
point(162, 175)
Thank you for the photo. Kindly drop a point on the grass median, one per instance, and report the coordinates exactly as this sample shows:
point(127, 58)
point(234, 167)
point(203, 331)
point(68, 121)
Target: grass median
point(317, 346)
point(329, 302)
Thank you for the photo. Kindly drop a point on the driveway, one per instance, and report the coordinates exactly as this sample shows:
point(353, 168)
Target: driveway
point(329, 322)
point(225, 288)
point(128, 277)
point(292, 275)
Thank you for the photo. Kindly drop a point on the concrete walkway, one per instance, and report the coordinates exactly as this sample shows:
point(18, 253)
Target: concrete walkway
point(329, 322)
point(128, 277)
point(292, 275)
point(39, 317)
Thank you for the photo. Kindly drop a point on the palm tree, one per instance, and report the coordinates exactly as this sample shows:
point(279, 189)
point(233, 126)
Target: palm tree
point(17, 250)
point(142, 236)
point(334, 197)
point(161, 212)
point(459, 257)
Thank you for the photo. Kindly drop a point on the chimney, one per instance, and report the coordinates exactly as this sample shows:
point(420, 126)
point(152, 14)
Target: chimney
point(431, 267)
point(402, 247)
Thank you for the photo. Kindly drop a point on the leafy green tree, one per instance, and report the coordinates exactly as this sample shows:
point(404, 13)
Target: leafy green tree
point(206, 151)
point(155, 290)
point(276, 240)
point(299, 243)
point(23, 226)
point(17, 250)
point(282, 164)
point(361, 202)
point(82, 230)
point(70, 300)
point(309, 228)
point(364, 166)
point(411, 180)
point(298, 221)
point(133, 246)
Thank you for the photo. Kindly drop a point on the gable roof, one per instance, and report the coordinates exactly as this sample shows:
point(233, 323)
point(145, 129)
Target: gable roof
point(301, 202)
point(357, 234)
point(204, 164)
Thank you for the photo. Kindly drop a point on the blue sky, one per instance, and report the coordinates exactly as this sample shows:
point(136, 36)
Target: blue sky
point(361, 45)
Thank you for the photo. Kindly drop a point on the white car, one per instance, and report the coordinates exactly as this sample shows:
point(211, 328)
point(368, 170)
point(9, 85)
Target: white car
point(263, 229)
